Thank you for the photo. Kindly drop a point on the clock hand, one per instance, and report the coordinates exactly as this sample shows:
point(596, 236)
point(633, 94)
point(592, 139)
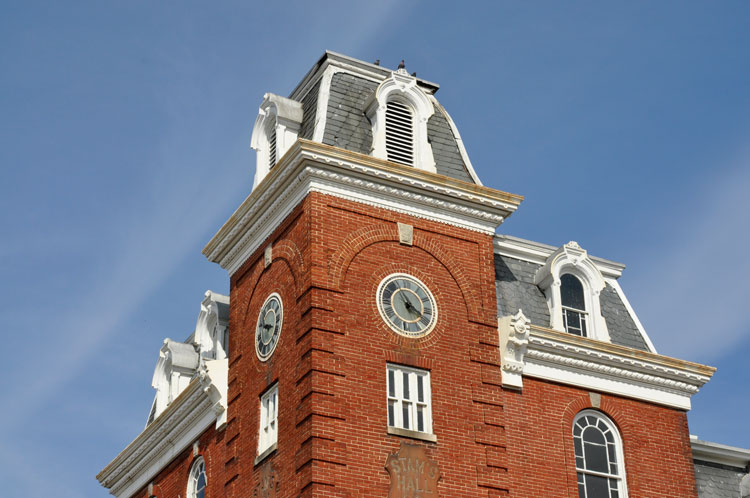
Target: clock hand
point(411, 307)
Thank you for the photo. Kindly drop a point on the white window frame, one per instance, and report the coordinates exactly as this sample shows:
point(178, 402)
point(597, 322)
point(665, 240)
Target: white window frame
point(279, 114)
point(199, 465)
point(269, 419)
point(572, 259)
point(399, 403)
point(402, 88)
point(622, 490)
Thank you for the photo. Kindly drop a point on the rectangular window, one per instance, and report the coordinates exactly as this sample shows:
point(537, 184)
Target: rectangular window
point(409, 399)
point(269, 412)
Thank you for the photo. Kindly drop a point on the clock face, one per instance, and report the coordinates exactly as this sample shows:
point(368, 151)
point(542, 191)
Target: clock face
point(268, 330)
point(407, 305)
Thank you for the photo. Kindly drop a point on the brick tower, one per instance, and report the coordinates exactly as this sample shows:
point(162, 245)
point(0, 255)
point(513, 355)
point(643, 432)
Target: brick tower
point(381, 340)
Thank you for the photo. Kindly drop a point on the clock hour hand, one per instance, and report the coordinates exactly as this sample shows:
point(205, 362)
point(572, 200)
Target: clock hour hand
point(410, 306)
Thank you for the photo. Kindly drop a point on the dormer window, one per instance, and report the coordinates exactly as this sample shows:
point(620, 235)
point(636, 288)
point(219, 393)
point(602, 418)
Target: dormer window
point(399, 111)
point(276, 129)
point(573, 305)
point(399, 133)
point(572, 283)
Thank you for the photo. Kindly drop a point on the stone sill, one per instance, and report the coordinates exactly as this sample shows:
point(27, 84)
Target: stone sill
point(424, 436)
point(265, 454)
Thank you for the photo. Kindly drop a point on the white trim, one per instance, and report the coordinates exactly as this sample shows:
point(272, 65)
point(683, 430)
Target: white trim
point(198, 406)
point(537, 252)
point(567, 359)
point(616, 286)
point(321, 111)
point(707, 451)
point(312, 167)
point(459, 141)
point(282, 115)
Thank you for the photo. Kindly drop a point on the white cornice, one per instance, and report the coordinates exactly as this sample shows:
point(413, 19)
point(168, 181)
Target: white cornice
point(186, 418)
point(568, 359)
point(536, 252)
point(314, 167)
point(719, 453)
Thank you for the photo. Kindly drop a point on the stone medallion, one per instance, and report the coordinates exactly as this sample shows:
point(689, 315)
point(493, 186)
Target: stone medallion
point(269, 483)
point(413, 474)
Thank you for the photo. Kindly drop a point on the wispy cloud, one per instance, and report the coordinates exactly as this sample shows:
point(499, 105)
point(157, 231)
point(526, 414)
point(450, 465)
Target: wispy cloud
point(692, 293)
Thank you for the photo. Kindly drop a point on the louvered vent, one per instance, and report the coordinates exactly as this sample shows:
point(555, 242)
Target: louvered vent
point(271, 147)
point(399, 133)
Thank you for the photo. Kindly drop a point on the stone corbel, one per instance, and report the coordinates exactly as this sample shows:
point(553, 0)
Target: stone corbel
point(514, 339)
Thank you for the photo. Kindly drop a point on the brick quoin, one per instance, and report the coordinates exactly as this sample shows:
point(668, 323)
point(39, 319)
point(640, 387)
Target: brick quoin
point(329, 256)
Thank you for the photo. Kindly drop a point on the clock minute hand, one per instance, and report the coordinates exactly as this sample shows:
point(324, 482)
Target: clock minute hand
point(410, 306)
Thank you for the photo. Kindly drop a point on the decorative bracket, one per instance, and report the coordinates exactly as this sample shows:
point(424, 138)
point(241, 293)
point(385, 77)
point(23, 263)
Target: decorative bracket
point(514, 339)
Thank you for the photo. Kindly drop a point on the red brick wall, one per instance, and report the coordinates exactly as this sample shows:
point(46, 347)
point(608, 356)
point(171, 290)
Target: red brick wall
point(331, 360)
point(539, 421)
point(328, 258)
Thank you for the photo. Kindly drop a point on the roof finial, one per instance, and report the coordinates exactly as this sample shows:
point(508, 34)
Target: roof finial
point(402, 65)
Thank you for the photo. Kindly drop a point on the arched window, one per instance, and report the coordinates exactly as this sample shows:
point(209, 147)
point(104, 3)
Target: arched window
point(197, 480)
point(599, 460)
point(399, 111)
point(399, 133)
point(573, 305)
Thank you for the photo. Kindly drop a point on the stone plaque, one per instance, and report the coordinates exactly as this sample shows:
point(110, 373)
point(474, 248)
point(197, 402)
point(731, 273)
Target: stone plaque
point(413, 474)
point(269, 483)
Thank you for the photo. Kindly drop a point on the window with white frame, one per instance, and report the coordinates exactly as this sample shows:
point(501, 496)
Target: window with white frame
point(573, 305)
point(409, 399)
point(599, 458)
point(269, 424)
point(197, 480)
point(572, 284)
point(399, 111)
point(276, 128)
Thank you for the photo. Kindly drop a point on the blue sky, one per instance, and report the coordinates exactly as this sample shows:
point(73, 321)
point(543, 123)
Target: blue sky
point(124, 145)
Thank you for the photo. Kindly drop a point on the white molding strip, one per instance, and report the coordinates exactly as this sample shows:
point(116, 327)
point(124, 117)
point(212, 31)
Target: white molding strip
point(202, 403)
point(616, 285)
point(707, 451)
point(536, 252)
point(568, 359)
point(314, 167)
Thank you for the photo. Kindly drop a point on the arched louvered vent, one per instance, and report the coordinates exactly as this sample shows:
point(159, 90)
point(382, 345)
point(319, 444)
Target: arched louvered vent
point(399, 133)
point(271, 146)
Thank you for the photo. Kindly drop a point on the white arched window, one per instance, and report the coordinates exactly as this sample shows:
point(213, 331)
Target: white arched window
point(399, 111)
point(599, 457)
point(197, 481)
point(276, 129)
point(572, 283)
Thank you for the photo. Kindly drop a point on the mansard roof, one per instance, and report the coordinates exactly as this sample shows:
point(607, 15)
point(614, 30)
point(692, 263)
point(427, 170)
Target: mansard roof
point(516, 289)
point(334, 112)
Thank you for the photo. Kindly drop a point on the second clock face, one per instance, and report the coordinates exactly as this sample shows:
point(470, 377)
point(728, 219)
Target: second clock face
point(268, 330)
point(407, 305)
